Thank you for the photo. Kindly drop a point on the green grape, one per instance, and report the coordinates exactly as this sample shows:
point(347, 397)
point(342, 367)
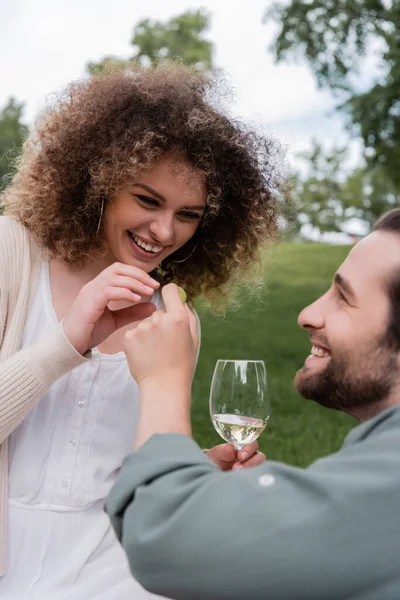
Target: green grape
point(182, 294)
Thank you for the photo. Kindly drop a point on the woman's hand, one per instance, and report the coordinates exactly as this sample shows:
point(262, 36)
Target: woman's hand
point(226, 457)
point(89, 321)
point(163, 348)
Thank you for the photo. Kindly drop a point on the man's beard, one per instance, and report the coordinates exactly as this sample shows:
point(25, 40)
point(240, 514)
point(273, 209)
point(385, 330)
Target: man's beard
point(349, 383)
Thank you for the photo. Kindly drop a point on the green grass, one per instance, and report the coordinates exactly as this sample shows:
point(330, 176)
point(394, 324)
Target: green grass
point(265, 327)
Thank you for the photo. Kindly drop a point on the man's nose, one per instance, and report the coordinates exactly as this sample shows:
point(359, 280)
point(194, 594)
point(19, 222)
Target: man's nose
point(313, 315)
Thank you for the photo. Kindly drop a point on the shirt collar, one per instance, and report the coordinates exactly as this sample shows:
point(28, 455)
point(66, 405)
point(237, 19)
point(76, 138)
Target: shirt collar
point(387, 419)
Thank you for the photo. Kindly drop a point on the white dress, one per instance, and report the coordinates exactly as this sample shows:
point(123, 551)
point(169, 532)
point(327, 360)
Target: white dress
point(63, 460)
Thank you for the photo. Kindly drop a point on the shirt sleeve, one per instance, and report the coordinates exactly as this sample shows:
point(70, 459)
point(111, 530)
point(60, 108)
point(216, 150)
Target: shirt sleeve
point(274, 531)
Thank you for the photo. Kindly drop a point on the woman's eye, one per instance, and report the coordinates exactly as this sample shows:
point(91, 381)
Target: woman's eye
point(147, 200)
point(342, 297)
point(191, 216)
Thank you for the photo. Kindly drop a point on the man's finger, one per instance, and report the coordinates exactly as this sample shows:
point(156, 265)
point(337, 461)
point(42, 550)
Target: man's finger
point(254, 461)
point(157, 316)
point(172, 299)
point(223, 455)
point(193, 324)
point(247, 451)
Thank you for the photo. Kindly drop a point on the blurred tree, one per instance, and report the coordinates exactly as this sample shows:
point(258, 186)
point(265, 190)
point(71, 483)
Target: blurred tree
point(318, 193)
point(369, 193)
point(328, 196)
point(12, 136)
point(180, 37)
point(335, 36)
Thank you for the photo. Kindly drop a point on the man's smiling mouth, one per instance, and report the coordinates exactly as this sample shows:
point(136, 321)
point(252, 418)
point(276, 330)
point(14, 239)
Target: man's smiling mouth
point(319, 352)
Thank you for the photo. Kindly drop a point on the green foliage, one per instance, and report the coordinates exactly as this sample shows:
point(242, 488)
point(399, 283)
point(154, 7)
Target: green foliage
point(107, 64)
point(328, 196)
point(12, 136)
point(179, 38)
point(265, 328)
point(319, 194)
point(369, 193)
point(334, 36)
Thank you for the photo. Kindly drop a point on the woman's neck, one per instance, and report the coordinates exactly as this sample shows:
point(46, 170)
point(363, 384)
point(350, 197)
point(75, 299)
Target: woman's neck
point(87, 273)
point(66, 282)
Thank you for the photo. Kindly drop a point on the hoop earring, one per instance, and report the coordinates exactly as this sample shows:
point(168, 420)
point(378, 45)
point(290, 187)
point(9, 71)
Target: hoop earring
point(100, 218)
point(177, 262)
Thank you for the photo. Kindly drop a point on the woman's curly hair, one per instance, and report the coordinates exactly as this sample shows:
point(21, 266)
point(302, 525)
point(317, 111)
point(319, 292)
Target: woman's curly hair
point(105, 130)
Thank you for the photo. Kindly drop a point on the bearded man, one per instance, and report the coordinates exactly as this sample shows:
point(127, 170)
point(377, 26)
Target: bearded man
point(327, 532)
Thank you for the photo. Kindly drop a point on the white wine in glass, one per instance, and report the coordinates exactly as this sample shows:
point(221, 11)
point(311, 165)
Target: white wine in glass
point(240, 404)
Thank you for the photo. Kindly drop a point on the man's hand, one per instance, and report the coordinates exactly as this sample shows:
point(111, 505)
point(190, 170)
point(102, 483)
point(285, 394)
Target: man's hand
point(227, 458)
point(161, 355)
point(162, 349)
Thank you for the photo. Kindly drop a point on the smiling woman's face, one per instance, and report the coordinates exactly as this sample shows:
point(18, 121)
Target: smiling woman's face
point(147, 221)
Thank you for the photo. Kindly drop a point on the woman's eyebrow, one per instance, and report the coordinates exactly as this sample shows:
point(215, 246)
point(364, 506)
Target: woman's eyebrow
point(163, 198)
point(151, 191)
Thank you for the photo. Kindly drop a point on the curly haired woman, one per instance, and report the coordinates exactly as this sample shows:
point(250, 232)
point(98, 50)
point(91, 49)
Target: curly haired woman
point(130, 181)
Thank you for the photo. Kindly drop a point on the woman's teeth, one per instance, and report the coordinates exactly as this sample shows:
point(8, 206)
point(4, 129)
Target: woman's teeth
point(146, 247)
point(317, 351)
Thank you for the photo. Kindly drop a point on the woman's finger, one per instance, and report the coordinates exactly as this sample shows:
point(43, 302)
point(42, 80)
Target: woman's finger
point(131, 284)
point(131, 272)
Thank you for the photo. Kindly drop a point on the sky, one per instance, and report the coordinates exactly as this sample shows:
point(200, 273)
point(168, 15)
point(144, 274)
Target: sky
point(45, 44)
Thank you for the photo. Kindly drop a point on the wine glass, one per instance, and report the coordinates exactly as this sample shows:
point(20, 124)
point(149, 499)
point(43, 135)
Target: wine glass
point(240, 404)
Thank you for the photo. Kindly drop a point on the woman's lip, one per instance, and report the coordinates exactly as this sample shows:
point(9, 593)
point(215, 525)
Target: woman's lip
point(145, 240)
point(143, 253)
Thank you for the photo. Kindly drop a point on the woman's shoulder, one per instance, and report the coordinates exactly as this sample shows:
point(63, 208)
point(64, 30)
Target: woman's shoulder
point(16, 249)
point(12, 231)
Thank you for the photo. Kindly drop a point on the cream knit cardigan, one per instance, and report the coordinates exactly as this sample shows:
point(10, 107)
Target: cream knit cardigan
point(25, 375)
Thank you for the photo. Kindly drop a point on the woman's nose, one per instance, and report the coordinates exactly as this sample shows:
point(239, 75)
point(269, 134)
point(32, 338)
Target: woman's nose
point(162, 229)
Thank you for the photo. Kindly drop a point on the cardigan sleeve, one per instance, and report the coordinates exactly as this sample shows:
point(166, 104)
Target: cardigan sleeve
point(26, 376)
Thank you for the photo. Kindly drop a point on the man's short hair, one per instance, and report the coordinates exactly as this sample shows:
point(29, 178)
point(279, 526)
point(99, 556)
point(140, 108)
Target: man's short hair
point(390, 222)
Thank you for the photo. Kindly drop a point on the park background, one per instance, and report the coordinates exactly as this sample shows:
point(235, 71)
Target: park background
point(322, 76)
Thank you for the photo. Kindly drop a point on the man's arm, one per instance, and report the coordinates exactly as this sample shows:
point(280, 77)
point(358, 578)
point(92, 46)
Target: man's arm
point(273, 532)
point(279, 532)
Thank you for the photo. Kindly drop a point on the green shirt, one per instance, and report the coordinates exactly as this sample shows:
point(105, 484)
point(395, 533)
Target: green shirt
point(328, 532)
